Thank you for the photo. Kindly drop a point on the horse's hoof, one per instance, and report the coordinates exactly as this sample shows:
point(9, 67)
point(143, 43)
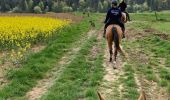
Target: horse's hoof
point(114, 67)
point(110, 60)
point(126, 56)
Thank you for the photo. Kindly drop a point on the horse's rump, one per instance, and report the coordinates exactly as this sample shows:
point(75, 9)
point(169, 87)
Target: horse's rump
point(109, 31)
point(114, 33)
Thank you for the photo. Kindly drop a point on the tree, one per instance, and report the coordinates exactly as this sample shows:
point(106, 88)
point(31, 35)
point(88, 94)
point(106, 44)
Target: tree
point(100, 7)
point(30, 5)
point(41, 5)
point(24, 6)
point(57, 7)
point(82, 4)
point(105, 6)
point(4, 6)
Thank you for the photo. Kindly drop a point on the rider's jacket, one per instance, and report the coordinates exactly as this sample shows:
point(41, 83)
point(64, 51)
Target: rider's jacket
point(113, 16)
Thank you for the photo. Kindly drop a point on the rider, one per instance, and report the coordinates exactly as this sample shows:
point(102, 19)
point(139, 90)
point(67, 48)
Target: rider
point(122, 6)
point(113, 16)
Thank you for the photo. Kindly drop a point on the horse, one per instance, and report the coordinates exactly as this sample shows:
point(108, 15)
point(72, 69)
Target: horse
point(123, 9)
point(114, 34)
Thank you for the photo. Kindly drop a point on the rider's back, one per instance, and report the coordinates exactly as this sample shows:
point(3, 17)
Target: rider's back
point(114, 15)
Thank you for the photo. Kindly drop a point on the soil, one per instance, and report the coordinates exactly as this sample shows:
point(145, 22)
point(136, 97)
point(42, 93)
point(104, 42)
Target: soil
point(49, 14)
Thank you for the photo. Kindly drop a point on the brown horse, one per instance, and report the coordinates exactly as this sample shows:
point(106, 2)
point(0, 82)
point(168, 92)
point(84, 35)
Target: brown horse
point(114, 34)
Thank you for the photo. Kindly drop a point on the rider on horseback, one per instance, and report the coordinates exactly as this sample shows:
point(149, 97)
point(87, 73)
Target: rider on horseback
point(113, 16)
point(122, 6)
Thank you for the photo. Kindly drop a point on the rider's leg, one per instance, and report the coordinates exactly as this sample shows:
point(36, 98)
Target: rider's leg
point(123, 29)
point(106, 25)
point(128, 17)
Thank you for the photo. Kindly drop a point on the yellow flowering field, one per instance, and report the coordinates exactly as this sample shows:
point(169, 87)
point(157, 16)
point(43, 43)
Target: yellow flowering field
point(19, 32)
point(14, 31)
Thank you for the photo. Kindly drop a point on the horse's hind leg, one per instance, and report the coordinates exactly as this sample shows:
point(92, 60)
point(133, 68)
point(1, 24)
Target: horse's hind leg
point(110, 50)
point(111, 53)
point(123, 52)
point(115, 54)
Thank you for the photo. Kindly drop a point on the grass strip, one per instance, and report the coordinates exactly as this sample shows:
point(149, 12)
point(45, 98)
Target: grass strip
point(81, 78)
point(129, 83)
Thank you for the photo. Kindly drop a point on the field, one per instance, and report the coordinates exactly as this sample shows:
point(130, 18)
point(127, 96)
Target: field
point(70, 60)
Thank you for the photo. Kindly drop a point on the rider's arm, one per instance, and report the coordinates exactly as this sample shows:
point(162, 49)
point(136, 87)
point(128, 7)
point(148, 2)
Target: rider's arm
point(107, 16)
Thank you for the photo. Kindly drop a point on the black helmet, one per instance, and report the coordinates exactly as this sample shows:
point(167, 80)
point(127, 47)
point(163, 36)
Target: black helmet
point(114, 2)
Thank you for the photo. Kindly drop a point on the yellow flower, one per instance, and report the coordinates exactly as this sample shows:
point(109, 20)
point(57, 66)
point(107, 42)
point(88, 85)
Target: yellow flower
point(22, 31)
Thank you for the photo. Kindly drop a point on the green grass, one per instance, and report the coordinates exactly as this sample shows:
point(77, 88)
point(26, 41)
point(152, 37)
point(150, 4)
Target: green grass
point(163, 82)
point(149, 16)
point(129, 83)
point(24, 78)
point(80, 78)
point(160, 49)
point(148, 20)
point(162, 27)
point(169, 87)
point(152, 46)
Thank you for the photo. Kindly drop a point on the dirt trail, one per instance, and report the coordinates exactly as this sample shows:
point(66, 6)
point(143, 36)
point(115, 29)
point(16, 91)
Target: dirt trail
point(4, 66)
point(3, 80)
point(111, 76)
point(49, 14)
point(43, 85)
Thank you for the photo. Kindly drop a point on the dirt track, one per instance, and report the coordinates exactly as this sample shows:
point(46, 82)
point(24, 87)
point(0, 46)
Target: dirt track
point(50, 14)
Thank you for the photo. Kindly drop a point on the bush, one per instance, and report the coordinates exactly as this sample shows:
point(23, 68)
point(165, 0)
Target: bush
point(67, 9)
point(16, 10)
point(137, 8)
point(129, 8)
point(57, 7)
point(41, 5)
point(100, 7)
point(145, 7)
point(37, 9)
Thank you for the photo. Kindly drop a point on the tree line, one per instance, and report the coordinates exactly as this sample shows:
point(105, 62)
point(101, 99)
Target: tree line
point(42, 6)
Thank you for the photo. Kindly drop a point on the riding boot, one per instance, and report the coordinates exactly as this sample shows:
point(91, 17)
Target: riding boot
point(123, 29)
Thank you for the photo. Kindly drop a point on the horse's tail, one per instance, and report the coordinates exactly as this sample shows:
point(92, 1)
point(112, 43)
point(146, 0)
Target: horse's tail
point(115, 37)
